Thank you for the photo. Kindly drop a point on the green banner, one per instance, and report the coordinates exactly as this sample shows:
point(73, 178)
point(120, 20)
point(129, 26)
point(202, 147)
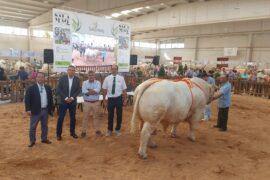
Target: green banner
point(62, 63)
point(122, 64)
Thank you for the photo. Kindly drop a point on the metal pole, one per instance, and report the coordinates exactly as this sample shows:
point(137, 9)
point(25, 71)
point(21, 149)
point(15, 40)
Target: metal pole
point(48, 73)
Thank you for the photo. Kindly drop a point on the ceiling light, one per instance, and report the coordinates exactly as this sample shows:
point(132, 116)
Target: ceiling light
point(147, 7)
point(126, 12)
point(116, 14)
point(108, 17)
point(137, 9)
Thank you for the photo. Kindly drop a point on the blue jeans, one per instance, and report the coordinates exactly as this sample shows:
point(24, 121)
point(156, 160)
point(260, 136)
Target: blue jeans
point(62, 112)
point(43, 117)
point(207, 112)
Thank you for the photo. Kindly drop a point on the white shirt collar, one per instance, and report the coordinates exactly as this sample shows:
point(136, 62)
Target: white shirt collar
point(70, 77)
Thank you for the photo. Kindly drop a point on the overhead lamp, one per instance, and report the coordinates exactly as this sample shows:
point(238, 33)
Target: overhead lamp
point(147, 7)
point(137, 9)
point(108, 17)
point(126, 12)
point(115, 14)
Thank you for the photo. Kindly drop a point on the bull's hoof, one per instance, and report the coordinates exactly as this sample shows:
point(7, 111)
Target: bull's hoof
point(153, 146)
point(192, 139)
point(173, 135)
point(142, 156)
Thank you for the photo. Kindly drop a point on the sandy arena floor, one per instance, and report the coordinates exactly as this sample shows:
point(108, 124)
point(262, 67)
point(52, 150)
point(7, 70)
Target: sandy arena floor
point(241, 153)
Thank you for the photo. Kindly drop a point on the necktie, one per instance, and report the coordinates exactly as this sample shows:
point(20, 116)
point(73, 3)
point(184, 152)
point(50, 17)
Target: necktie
point(113, 86)
point(41, 89)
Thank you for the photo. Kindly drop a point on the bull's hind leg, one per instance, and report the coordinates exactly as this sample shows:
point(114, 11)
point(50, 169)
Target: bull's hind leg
point(173, 130)
point(193, 121)
point(145, 137)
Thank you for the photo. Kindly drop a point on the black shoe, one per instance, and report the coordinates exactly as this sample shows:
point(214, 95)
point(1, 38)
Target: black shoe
point(98, 133)
point(59, 138)
point(83, 134)
point(216, 126)
point(31, 144)
point(222, 129)
point(46, 142)
point(74, 136)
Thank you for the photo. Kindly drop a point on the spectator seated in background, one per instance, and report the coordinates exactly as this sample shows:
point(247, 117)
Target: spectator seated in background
point(22, 74)
point(3, 76)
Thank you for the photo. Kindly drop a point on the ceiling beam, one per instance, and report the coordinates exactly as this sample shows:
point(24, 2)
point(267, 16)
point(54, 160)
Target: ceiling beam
point(33, 3)
point(13, 9)
point(3, 12)
point(27, 7)
point(6, 16)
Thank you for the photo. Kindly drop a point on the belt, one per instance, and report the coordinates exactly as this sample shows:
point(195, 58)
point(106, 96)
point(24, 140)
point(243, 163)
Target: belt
point(43, 108)
point(114, 97)
point(91, 101)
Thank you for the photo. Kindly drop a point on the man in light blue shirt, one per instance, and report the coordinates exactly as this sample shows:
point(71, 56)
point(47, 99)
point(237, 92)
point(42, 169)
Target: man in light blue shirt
point(207, 109)
point(224, 95)
point(90, 90)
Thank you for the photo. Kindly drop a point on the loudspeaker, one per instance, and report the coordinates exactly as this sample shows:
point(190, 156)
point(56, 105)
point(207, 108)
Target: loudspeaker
point(48, 56)
point(156, 60)
point(133, 59)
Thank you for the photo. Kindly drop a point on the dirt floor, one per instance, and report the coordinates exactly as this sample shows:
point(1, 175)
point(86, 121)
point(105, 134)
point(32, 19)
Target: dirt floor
point(243, 152)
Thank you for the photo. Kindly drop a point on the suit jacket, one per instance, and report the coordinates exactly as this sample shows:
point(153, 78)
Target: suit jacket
point(33, 100)
point(63, 88)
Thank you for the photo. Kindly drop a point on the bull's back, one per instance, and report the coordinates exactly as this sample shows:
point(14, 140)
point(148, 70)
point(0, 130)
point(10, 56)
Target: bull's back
point(165, 100)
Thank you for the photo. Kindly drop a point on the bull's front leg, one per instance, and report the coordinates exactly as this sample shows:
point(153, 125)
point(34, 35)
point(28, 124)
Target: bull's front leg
point(145, 135)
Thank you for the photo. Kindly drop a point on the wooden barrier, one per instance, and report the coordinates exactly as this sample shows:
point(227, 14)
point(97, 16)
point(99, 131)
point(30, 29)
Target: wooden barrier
point(251, 88)
point(104, 68)
point(15, 90)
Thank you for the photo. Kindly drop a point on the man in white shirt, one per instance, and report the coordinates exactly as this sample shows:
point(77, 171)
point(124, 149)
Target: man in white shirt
point(114, 87)
point(90, 90)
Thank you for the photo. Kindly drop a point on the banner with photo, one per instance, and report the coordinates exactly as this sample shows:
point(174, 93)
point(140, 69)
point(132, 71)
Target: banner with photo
point(86, 40)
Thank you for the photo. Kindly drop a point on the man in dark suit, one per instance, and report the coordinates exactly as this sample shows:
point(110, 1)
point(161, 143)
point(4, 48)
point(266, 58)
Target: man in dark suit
point(38, 104)
point(68, 89)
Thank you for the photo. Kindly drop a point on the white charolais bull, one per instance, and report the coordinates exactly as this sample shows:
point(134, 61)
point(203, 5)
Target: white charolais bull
point(169, 102)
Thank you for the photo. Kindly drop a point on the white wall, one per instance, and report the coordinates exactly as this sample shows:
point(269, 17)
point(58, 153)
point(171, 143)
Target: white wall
point(206, 50)
point(13, 41)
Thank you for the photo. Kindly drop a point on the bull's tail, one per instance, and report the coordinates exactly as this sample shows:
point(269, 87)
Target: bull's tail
point(137, 96)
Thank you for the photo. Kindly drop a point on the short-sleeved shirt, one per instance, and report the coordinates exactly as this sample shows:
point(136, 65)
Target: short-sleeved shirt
point(120, 85)
point(211, 81)
point(225, 99)
point(95, 85)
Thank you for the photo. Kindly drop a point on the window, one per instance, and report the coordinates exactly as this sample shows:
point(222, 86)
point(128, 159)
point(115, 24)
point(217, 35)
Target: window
point(145, 44)
point(137, 44)
point(178, 45)
point(13, 30)
point(42, 33)
point(168, 45)
point(172, 45)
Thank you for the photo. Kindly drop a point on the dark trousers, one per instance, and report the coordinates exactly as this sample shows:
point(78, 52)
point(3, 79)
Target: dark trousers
point(62, 112)
point(112, 104)
point(43, 117)
point(223, 118)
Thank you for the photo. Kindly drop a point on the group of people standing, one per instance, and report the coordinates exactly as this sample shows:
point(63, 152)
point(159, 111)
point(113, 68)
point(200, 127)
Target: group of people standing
point(38, 103)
